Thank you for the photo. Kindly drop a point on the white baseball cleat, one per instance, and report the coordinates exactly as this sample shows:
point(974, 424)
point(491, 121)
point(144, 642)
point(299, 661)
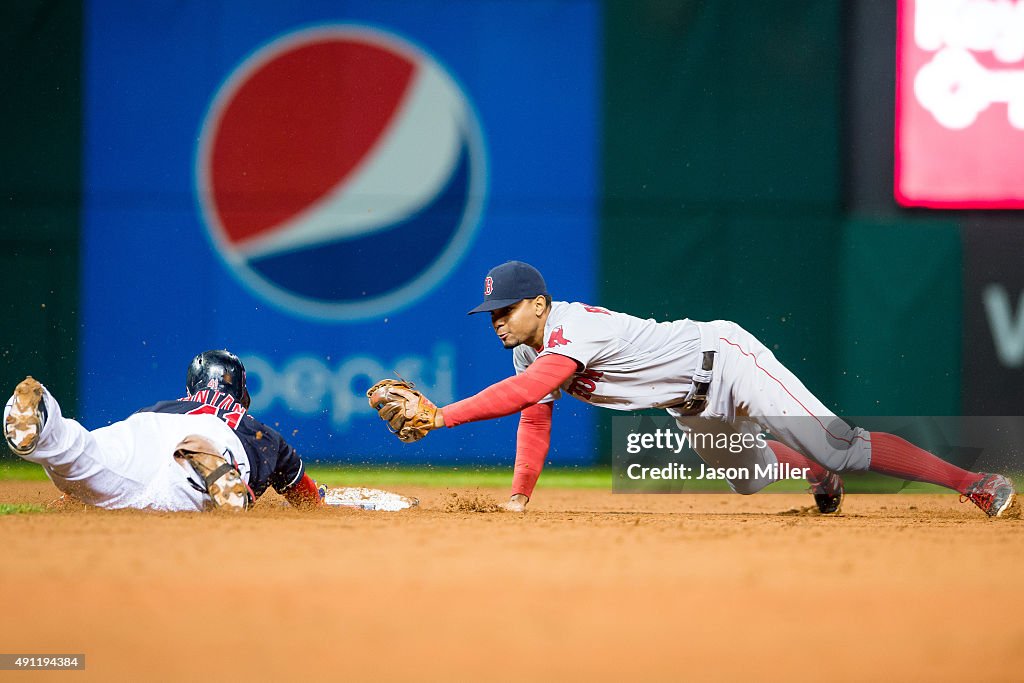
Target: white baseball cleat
point(221, 479)
point(25, 416)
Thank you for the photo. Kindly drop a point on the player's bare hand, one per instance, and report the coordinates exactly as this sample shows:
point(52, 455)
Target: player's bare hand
point(517, 503)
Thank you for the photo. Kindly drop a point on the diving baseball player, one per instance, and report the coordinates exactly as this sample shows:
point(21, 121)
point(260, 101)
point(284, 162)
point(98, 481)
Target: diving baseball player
point(199, 452)
point(712, 377)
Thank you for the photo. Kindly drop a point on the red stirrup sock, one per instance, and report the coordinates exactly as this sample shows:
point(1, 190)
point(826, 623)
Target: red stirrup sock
point(795, 459)
point(898, 458)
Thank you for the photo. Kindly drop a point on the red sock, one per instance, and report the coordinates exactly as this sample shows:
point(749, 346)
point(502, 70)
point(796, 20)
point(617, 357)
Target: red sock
point(896, 457)
point(785, 454)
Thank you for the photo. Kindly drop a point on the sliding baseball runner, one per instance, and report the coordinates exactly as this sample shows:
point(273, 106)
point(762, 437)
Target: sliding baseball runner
point(200, 452)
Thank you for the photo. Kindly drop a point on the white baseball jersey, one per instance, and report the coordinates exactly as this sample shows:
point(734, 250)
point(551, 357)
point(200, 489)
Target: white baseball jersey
point(632, 364)
point(628, 363)
point(130, 464)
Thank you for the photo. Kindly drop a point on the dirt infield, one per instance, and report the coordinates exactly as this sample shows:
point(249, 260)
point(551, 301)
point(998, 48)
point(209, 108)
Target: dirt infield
point(587, 586)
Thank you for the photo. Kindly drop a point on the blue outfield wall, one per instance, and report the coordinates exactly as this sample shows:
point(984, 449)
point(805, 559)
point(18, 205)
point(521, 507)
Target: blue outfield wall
point(321, 188)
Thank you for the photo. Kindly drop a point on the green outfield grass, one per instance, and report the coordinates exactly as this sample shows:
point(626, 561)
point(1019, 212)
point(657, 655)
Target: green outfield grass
point(20, 508)
point(391, 476)
point(457, 477)
point(18, 470)
point(568, 478)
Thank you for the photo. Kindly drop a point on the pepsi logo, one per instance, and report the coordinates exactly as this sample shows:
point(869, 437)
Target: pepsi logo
point(341, 172)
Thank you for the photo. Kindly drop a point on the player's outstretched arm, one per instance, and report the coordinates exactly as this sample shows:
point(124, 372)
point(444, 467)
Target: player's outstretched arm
point(411, 415)
point(512, 395)
point(532, 442)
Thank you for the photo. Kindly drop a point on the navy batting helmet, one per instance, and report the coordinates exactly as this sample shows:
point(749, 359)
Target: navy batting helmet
point(219, 370)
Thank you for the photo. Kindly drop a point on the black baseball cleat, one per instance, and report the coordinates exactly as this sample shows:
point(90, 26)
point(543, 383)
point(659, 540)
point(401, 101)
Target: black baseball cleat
point(25, 416)
point(993, 493)
point(828, 494)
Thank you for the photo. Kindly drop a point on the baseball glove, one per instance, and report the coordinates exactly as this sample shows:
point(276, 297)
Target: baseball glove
point(409, 414)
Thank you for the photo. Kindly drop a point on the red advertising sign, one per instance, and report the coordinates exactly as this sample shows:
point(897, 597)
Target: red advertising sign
point(960, 103)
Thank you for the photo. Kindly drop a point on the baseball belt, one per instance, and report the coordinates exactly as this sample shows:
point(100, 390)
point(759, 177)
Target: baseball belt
point(697, 400)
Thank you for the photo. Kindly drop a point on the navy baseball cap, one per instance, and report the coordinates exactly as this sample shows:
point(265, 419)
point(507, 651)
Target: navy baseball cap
point(510, 283)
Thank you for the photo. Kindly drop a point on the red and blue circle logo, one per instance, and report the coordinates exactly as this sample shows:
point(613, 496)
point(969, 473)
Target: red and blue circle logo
point(341, 172)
